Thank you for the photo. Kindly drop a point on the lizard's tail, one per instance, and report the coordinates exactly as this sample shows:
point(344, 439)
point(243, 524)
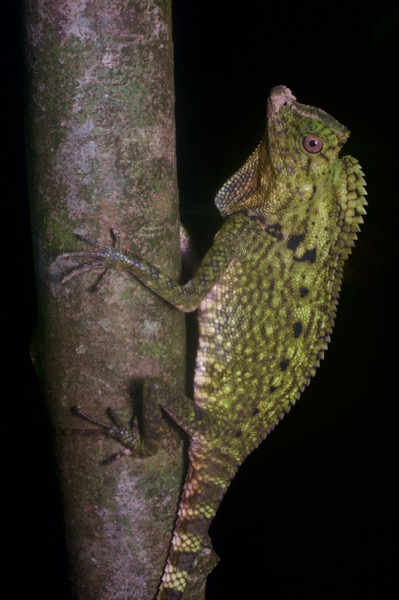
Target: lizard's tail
point(202, 493)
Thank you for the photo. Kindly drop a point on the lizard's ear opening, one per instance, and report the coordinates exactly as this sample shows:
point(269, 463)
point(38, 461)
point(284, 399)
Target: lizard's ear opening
point(242, 188)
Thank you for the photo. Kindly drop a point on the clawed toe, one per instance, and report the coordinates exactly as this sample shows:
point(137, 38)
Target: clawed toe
point(114, 429)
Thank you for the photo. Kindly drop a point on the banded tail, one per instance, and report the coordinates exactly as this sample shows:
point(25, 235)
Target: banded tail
point(205, 485)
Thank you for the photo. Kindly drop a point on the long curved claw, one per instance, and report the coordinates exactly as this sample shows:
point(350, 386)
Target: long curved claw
point(116, 456)
point(79, 412)
point(102, 247)
point(82, 268)
point(132, 444)
point(114, 430)
point(99, 256)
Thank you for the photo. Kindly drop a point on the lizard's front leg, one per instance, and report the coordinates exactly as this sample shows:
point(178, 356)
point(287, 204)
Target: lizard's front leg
point(229, 244)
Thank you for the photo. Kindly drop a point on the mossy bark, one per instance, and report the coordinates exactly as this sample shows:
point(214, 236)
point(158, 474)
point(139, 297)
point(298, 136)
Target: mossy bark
point(101, 155)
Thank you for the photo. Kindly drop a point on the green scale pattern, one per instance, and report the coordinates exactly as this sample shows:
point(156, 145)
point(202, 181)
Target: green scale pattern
point(267, 293)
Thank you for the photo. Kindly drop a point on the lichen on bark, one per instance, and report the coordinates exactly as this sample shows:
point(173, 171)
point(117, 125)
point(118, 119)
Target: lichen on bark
point(101, 155)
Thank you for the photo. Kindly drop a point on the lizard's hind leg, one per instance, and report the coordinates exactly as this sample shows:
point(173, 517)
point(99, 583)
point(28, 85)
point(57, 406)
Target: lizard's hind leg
point(157, 396)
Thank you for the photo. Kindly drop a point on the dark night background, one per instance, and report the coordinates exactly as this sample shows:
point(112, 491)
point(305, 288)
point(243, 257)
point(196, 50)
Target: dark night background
point(310, 515)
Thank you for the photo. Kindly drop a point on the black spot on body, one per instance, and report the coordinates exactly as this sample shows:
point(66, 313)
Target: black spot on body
point(297, 329)
point(272, 389)
point(256, 412)
point(275, 231)
point(284, 364)
point(309, 256)
point(238, 434)
point(260, 219)
point(303, 292)
point(294, 241)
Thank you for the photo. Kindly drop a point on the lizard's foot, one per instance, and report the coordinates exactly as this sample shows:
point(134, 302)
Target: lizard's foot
point(114, 429)
point(102, 256)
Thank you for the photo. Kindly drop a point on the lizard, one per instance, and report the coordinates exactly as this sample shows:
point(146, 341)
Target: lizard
point(266, 292)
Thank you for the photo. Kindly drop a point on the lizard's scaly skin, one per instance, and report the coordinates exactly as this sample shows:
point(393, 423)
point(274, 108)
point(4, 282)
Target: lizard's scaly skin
point(267, 293)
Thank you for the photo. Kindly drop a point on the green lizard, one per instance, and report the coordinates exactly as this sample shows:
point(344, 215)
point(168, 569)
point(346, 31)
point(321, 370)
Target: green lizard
point(266, 293)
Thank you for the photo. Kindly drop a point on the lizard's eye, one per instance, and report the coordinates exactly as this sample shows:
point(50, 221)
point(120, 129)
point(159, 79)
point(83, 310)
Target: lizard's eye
point(312, 144)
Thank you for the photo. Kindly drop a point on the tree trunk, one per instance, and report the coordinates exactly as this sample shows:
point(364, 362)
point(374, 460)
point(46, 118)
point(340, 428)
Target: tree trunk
point(101, 155)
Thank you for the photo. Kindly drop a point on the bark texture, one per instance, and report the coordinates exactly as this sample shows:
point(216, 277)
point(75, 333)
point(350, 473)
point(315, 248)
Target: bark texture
point(101, 154)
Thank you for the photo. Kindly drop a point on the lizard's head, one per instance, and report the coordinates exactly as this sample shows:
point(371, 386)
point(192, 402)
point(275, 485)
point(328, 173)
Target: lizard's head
point(302, 141)
point(302, 144)
point(298, 149)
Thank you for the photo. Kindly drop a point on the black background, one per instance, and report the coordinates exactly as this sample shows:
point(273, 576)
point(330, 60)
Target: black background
point(311, 513)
